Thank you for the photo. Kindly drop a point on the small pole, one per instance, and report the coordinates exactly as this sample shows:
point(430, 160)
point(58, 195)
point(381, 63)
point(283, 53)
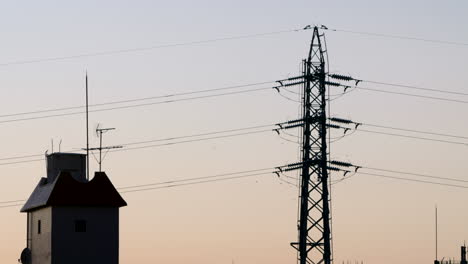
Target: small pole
point(87, 131)
point(100, 132)
point(436, 235)
point(100, 150)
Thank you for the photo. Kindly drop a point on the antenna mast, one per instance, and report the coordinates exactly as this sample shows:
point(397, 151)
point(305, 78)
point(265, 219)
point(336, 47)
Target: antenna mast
point(99, 132)
point(87, 131)
point(436, 261)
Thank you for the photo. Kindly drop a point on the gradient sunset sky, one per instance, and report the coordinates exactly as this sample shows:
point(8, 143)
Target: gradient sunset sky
point(253, 220)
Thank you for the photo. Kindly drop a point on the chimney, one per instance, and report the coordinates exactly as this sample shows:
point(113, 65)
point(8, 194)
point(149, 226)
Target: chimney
point(73, 163)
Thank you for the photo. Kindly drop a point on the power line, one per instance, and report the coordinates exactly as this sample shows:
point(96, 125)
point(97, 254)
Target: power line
point(250, 128)
point(416, 87)
point(163, 139)
point(397, 36)
point(413, 95)
point(413, 130)
point(359, 168)
point(416, 174)
point(218, 137)
point(174, 183)
point(198, 182)
point(190, 141)
point(23, 161)
point(193, 179)
point(160, 139)
point(14, 201)
point(136, 105)
point(203, 134)
point(357, 124)
point(138, 99)
point(212, 178)
point(177, 100)
point(153, 47)
point(414, 180)
point(177, 183)
point(11, 205)
point(349, 78)
point(22, 157)
point(399, 93)
point(414, 137)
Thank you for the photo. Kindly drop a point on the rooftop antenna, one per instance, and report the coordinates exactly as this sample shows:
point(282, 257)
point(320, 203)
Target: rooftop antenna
point(87, 130)
point(99, 132)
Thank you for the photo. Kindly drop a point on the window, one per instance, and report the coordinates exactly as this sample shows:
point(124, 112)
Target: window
point(39, 226)
point(80, 226)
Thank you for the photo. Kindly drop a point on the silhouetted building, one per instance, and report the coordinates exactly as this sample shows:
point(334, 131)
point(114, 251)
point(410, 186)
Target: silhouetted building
point(71, 220)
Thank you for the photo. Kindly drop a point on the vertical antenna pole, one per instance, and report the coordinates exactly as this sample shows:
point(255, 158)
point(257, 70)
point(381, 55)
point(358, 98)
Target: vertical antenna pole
point(87, 131)
point(100, 150)
point(100, 132)
point(436, 235)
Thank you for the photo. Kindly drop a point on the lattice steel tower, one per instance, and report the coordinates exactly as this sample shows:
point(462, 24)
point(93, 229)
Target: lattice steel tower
point(314, 243)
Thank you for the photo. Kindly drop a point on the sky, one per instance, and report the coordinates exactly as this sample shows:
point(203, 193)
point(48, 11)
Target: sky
point(250, 220)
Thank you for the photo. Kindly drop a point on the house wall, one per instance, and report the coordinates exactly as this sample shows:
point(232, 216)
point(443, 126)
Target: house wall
point(40, 244)
point(98, 245)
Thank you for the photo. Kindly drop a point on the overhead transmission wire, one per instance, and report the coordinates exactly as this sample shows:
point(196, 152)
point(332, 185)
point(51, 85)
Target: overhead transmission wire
point(268, 88)
point(165, 139)
point(343, 179)
point(357, 81)
point(193, 179)
point(412, 95)
point(395, 36)
point(260, 126)
point(199, 182)
point(414, 137)
point(201, 134)
point(248, 133)
point(348, 78)
point(357, 125)
point(416, 174)
point(137, 105)
point(189, 141)
point(182, 99)
point(287, 182)
point(416, 87)
point(414, 130)
point(152, 47)
point(179, 182)
point(139, 99)
point(413, 180)
point(359, 171)
point(258, 172)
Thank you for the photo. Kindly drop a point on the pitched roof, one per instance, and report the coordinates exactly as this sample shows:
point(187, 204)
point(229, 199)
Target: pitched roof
point(66, 191)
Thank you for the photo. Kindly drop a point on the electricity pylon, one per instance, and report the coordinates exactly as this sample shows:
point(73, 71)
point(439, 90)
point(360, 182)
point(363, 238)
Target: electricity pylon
point(314, 245)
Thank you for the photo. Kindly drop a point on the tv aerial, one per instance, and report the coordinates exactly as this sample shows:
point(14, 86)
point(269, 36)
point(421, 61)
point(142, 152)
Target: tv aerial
point(99, 133)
